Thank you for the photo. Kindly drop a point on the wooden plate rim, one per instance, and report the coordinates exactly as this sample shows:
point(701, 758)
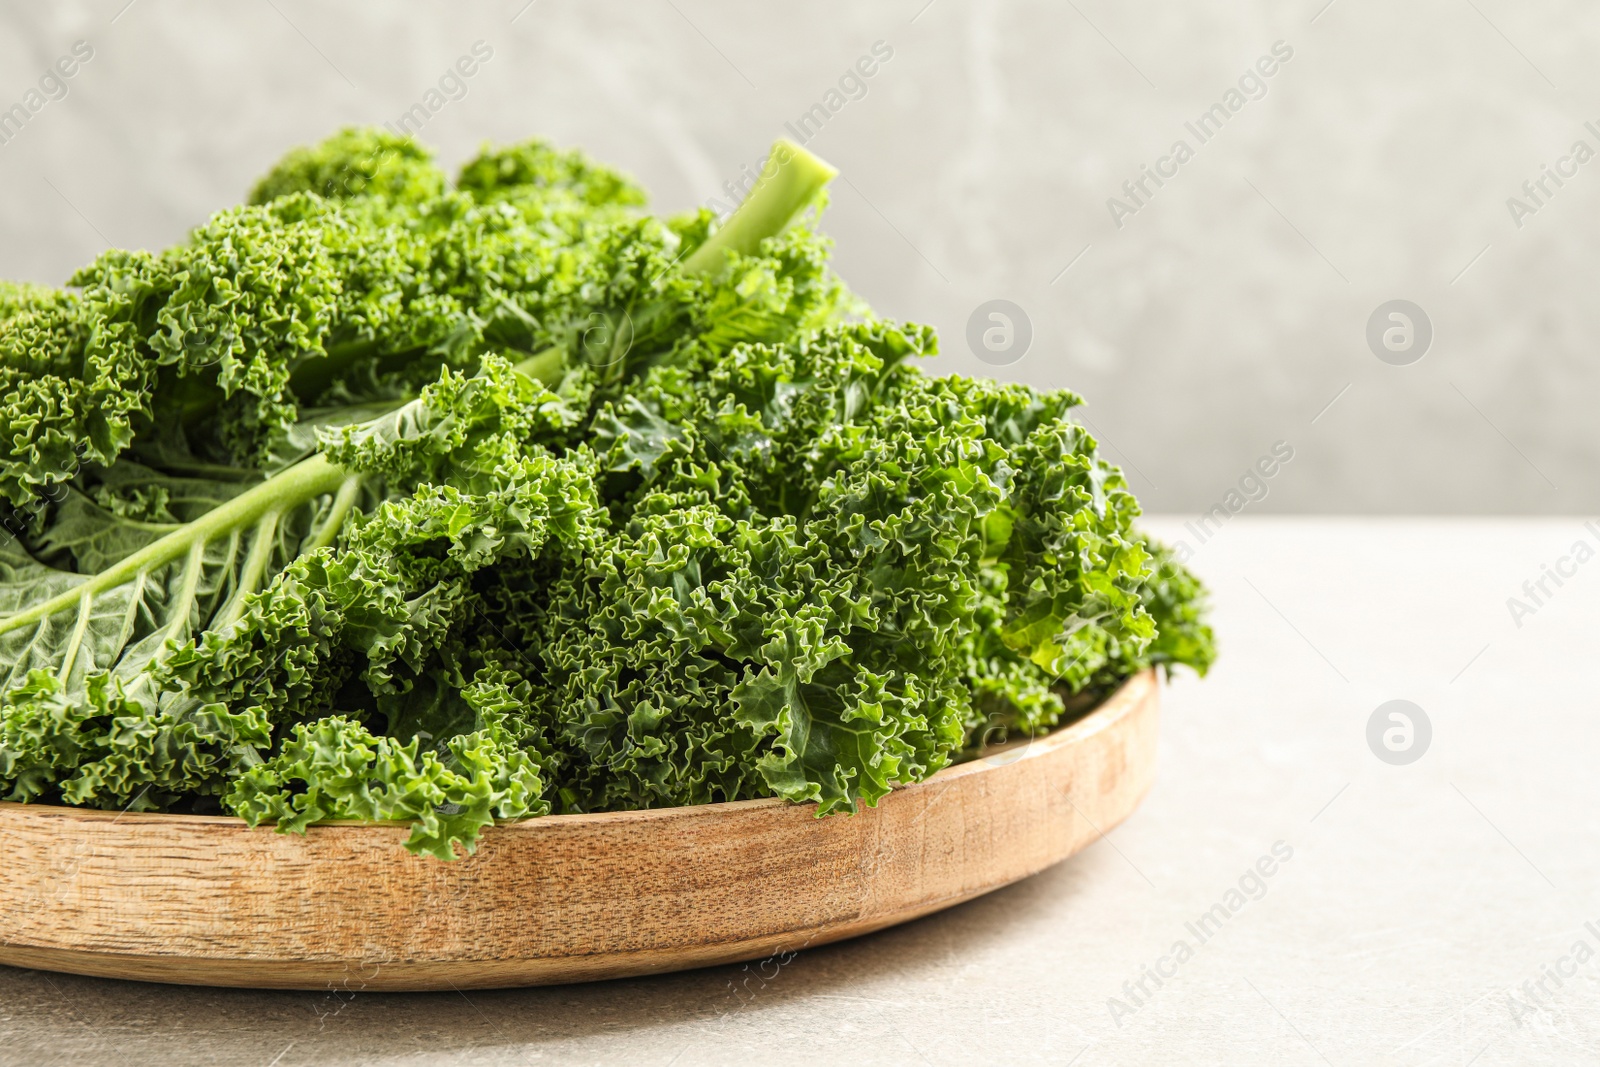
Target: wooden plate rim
point(1118, 704)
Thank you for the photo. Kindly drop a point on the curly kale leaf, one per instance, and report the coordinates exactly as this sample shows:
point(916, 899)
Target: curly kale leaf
point(538, 168)
point(355, 162)
point(61, 401)
point(992, 546)
point(86, 709)
point(334, 768)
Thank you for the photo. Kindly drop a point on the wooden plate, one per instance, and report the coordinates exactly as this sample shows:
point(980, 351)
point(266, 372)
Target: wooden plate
point(203, 900)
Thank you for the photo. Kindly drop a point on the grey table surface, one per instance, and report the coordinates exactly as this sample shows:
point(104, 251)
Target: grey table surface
point(1430, 913)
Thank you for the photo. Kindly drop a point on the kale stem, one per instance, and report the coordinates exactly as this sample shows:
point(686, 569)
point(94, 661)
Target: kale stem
point(545, 367)
point(790, 180)
point(337, 513)
point(304, 481)
point(255, 565)
point(77, 639)
point(193, 571)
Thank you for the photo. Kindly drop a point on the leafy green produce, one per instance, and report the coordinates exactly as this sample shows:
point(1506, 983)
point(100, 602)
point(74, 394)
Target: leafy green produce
point(379, 498)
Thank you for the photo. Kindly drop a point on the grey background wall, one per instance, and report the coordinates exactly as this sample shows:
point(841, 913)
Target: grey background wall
point(1227, 313)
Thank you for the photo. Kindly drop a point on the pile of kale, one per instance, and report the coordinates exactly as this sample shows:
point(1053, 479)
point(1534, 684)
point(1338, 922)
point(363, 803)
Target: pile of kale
point(379, 498)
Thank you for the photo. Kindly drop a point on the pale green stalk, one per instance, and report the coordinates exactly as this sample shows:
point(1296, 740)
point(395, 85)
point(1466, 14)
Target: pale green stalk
point(790, 180)
point(304, 481)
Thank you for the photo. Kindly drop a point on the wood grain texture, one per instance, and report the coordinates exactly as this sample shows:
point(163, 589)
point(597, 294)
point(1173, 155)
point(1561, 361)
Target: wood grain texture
point(206, 901)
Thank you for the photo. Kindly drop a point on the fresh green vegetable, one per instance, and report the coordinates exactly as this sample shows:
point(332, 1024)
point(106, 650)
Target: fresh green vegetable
point(376, 499)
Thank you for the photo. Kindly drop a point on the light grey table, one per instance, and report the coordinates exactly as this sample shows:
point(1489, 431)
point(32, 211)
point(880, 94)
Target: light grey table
point(1421, 909)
